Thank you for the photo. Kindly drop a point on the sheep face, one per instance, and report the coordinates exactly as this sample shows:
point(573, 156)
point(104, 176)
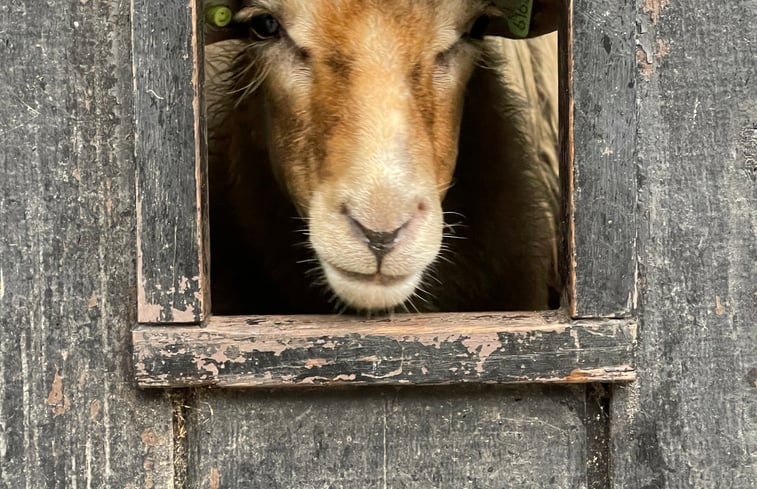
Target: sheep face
point(363, 102)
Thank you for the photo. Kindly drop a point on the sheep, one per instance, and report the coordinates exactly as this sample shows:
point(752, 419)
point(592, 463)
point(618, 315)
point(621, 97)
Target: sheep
point(377, 156)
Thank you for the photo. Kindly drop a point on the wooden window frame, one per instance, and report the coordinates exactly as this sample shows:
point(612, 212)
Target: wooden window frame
point(179, 343)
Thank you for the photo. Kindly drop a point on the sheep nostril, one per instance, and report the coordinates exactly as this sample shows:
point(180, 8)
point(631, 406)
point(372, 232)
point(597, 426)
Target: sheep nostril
point(379, 242)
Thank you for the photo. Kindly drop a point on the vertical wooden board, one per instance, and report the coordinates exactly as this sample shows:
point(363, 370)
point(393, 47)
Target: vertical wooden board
point(169, 145)
point(466, 437)
point(69, 413)
point(604, 171)
point(691, 419)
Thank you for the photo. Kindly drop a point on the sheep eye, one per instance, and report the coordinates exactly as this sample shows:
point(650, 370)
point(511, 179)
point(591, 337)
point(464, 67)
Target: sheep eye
point(264, 27)
point(478, 29)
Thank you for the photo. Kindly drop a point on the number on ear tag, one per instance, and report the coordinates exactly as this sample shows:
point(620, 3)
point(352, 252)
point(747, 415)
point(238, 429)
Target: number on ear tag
point(518, 14)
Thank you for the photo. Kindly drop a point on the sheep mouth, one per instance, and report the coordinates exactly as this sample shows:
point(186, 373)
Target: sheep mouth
point(376, 278)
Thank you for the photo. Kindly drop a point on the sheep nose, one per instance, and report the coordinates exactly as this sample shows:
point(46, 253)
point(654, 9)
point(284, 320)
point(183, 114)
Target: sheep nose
point(379, 242)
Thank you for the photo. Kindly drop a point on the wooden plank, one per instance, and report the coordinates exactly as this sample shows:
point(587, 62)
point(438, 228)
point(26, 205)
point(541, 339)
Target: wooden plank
point(691, 420)
point(404, 349)
point(603, 258)
point(170, 147)
point(525, 437)
point(69, 413)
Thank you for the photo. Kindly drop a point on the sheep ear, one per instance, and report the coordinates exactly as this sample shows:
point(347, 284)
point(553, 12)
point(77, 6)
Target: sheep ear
point(218, 20)
point(521, 19)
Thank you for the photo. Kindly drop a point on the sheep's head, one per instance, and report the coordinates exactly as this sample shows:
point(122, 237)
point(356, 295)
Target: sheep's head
point(363, 101)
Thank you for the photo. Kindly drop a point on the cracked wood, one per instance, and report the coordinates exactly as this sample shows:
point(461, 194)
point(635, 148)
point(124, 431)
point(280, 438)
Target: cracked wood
point(405, 349)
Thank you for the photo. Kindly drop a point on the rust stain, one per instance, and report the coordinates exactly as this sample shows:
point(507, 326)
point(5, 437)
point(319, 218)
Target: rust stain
point(578, 376)
point(56, 398)
point(94, 410)
point(654, 7)
point(150, 438)
point(624, 372)
point(215, 478)
point(719, 307)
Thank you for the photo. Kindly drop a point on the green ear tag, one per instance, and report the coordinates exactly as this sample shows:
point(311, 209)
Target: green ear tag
point(519, 17)
point(218, 15)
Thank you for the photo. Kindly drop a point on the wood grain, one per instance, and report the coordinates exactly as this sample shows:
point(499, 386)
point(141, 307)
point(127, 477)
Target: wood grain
point(691, 419)
point(525, 437)
point(603, 258)
point(170, 148)
point(406, 349)
point(70, 415)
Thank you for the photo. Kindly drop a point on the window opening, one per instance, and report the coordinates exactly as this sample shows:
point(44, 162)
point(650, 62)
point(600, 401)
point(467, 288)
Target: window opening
point(414, 169)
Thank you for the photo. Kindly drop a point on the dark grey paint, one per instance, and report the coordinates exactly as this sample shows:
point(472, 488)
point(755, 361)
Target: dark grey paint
point(68, 288)
point(70, 414)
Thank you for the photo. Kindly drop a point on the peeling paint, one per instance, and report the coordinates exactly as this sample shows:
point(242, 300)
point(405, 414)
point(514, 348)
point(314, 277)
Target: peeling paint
point(57, 398)
point(183, 285)
point(316, 362)
point(645, 66)
point(94, 410)
point(483, 346)
point(576, 340)
point(393, 373)
point(150, 438)
point(149, 467)
point(719, 307)
point(648, 63)
point(215, 478)
point(345, 377)
point(654, 7)
point(663, 49)
point(146, 312)
point(313, 379)
point(92, 301)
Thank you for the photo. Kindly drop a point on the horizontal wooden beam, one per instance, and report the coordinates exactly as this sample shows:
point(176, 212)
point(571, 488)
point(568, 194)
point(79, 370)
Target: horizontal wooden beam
point(266, 351)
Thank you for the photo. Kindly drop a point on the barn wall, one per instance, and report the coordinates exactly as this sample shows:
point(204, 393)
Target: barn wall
point(690, 421)
point(70, 415)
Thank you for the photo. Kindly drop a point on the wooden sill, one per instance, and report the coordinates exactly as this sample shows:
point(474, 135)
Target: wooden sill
point(406, 349)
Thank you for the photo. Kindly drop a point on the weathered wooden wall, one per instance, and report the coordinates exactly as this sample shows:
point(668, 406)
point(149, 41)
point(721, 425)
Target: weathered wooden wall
point(479, 437)
point(690, 421)
point(70, 415)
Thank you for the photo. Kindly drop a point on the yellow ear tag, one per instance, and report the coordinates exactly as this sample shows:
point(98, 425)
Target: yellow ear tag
point(518, 14)
point(218, 15)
